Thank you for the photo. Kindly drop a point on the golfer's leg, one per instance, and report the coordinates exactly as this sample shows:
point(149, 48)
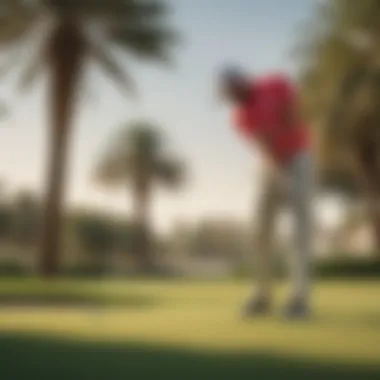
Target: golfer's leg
point(301, 175)
point(267, 210)
point(260, 301)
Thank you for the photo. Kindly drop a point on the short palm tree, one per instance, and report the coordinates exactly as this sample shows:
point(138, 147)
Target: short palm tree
point(138, 158)
point(74, 32)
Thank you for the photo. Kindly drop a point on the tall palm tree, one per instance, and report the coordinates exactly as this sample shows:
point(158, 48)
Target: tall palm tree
point(138, 157)
point(73, 32)
point(341, 83)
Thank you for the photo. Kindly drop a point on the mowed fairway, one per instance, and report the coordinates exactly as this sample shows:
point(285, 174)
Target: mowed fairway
point(182, 330)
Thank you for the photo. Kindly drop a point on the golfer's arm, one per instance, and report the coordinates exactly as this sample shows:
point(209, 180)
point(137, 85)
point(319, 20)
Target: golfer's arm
point(271, 165)
point(291, 112)
point(269, 162)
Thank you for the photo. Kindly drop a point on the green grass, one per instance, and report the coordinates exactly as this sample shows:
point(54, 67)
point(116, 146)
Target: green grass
point(182, 330)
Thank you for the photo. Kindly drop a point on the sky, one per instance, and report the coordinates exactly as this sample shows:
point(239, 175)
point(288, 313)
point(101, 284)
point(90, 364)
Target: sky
point(223, 177)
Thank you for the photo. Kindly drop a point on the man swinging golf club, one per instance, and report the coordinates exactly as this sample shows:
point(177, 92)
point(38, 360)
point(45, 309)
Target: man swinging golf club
point(267, 114)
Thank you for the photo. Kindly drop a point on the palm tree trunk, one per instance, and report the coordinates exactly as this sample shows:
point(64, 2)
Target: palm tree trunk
point(66, 53)
point(364, 164)
point(141, 215)
point(374, 215)
point(372, 190)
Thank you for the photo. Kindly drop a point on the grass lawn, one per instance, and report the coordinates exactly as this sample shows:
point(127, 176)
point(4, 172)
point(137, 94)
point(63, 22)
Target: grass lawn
point(182, 330)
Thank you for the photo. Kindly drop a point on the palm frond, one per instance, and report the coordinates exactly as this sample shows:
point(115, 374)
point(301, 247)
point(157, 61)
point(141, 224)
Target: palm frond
point(144, 11)
point(141, 138)
point(11, 60)
point(138, 151)
point(17, 18)
point(110, 65)
point(114, 11)
point(170, 172)
point(110, 171)
point(145, 42)
point(31, 71)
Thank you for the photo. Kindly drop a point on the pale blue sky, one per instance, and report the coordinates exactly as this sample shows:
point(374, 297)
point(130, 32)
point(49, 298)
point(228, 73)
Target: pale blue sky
point(223, 178)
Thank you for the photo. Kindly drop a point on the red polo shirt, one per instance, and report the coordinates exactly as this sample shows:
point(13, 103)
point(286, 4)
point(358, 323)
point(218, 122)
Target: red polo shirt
point(263, 117)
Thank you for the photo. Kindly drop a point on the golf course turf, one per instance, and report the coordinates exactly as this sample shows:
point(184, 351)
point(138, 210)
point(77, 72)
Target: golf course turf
point(182, 330)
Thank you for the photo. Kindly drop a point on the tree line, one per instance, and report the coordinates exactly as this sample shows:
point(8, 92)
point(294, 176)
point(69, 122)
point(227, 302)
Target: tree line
point(137, 158)
point(89, 236)
point(93, 239)
point(339, 78)
point(339, 75)
point(68, 35)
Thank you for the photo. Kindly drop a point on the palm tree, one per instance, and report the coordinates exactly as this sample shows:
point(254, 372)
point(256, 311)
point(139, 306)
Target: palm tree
point(341, 77)
point(138, 157)
point(74, 32)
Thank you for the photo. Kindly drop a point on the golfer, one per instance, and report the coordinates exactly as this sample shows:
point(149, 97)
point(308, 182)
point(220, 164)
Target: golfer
point(267, 114)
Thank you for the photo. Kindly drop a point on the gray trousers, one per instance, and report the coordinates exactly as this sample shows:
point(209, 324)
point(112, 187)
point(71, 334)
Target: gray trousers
point(294, 184)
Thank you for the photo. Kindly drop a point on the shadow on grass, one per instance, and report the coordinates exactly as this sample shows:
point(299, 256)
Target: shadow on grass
point(26, 357)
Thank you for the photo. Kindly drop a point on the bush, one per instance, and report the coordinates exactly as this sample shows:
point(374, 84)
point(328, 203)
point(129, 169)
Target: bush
point(13, 269)
point(338, 268)
point(349, 267)
point(90, 270)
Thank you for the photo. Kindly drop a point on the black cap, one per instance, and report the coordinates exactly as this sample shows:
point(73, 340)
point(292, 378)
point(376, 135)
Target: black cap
point(232, 73)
